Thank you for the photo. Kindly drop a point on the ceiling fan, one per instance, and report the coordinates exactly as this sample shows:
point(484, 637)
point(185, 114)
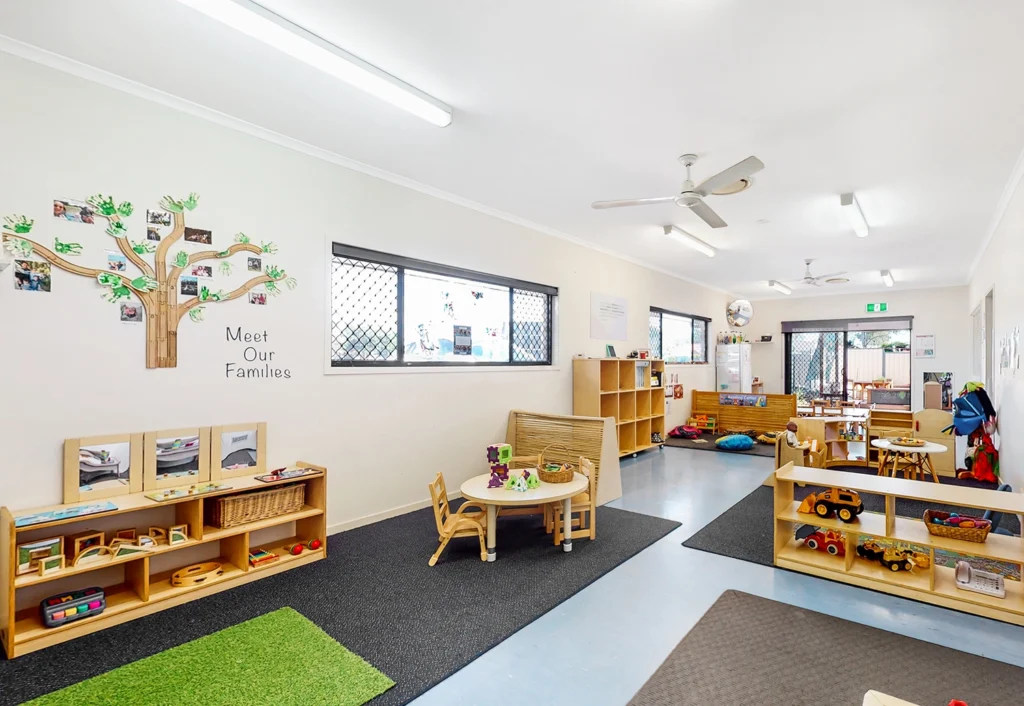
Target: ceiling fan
point(692, 196)
point(820, 280)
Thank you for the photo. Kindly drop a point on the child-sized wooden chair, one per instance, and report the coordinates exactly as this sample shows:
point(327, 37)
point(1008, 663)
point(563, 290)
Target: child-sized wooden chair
point(461, 523)
point(584, 505)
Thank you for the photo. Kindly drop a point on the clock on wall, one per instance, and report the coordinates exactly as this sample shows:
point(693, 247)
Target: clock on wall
point(739, 313)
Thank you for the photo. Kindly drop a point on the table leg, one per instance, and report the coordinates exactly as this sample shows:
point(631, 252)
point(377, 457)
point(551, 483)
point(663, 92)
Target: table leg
point(931, 468)
point(883, 458)
point(492, 532)
point(896, 464)
point(567, 524)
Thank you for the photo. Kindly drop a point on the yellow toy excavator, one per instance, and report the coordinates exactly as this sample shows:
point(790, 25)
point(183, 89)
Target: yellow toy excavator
point(846, 504)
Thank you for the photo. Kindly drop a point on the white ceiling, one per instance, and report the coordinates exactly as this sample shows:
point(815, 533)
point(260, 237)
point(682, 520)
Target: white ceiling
point(915, 105)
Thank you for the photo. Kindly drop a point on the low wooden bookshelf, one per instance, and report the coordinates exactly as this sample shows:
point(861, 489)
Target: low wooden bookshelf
point(140, 586)
point(935, 584)
point(622, 388)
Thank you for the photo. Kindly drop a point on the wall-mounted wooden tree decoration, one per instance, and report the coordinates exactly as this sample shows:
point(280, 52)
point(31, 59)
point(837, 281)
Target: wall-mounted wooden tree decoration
point(157, 285)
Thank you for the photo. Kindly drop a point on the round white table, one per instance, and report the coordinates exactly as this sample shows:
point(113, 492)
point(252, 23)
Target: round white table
point(914, 458)
point(476, 490)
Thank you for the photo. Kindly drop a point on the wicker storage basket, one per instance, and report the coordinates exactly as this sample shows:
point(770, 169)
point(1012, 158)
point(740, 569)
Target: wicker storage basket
point(968, 534)
point(236, 510)
point(563, 474)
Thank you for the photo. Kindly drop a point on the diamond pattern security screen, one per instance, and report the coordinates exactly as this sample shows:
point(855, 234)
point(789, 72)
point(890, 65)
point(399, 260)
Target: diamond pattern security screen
point(364, 311)
point(389, 310)
point(678, 338)
point(654, 327)
point(816, 366)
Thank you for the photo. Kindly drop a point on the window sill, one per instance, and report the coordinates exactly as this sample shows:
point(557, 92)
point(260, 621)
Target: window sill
point(413, 370)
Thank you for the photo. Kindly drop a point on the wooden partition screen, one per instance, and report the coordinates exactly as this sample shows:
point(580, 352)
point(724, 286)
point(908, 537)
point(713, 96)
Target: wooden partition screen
point(773, 417)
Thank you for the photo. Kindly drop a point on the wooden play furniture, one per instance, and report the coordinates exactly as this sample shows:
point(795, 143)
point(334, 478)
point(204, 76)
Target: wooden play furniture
point(932, 584)
point(475, 489)
point(797, 455)
point(773, 417)
point(909, 459)
point(928, 425)
point(567, 438)
point(704, 423)
point(883, 423)
point(621, 388)
point(461, 523)
point(584, 505)
point(829, 432)
point(144, 589)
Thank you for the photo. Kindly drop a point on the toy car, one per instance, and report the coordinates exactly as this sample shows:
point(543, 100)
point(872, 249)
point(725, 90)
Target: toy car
point(890, 557)
point(823, 540)
point(846, 504)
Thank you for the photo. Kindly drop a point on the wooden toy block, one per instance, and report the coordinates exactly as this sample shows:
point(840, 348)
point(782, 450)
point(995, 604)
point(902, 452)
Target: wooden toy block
point(178, 534)
point(75, 544)
point(51, 564)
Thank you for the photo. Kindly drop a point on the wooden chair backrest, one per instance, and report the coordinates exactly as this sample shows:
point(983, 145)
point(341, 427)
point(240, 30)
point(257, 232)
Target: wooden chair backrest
point(591, 471)
point(524, 461)
point(439, 500)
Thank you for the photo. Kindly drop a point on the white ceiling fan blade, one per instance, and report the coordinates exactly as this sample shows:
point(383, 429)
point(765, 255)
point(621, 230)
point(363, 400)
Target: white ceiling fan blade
point(834, 274)
point(816, 283)
point(632, 202)
point(750, 165)
point(706, 214)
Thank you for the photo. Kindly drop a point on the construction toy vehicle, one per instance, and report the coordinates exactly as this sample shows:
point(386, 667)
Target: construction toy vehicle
point(891, 558)
point(824, 540)
point(846, 504)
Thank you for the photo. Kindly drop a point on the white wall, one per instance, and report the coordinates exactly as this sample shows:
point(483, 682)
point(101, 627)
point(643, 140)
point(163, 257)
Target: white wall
point(941, 312)
point(71, 369)
point(999, 271)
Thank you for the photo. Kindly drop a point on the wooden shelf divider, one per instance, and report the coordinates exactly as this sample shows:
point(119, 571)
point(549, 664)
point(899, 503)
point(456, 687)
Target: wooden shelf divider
point(622, 388)
point(142, 592)
point(934, 584)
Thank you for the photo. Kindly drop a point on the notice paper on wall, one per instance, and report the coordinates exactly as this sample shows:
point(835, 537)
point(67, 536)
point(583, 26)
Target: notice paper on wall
point(463, 337)
point(924, 346)
point(608, 317)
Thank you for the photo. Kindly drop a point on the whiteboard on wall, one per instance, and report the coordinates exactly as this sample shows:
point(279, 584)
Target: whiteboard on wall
point(608, 317)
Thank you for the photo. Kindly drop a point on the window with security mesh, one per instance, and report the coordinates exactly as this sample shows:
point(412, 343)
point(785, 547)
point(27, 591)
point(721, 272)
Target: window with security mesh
point(392, 310)
point(678, 338)
point(654, 326)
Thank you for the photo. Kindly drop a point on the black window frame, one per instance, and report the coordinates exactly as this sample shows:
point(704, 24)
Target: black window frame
point(402, 263)
point(694, 319)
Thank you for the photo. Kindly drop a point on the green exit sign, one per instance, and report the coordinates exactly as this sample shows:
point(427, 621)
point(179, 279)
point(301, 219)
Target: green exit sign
point(877, 308)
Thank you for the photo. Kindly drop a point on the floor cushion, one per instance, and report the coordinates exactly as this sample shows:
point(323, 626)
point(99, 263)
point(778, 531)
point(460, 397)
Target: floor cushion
point(735, 442)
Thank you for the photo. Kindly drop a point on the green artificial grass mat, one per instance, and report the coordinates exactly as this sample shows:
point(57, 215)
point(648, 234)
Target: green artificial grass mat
point(280, 658)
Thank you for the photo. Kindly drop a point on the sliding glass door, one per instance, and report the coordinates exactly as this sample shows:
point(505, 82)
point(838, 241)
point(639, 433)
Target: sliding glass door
point(815, 366)
point(845, 359)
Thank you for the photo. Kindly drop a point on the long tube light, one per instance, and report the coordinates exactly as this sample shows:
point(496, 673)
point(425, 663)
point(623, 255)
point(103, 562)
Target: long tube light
point(691, 240)
point(779, 287)
point(855, 214)
point(259, 23)
point(887, 278)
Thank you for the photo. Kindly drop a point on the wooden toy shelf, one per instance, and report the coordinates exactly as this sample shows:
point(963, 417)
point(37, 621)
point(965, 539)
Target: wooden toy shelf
point(935, 584)
point(143, 591)
point(621, 388)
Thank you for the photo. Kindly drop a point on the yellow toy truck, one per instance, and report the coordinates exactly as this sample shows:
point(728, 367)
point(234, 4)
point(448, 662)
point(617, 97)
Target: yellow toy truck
point(846, 504)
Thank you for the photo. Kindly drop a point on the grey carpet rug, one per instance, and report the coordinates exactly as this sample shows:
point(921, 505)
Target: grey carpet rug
point(758, 449)
point(375, 595)
point(745, 531)
point(751, 651)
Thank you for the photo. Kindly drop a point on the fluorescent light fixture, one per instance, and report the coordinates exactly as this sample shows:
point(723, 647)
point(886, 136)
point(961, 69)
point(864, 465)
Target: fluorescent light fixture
point(691, 240)
point(887, 278)
point(779, 287)
point(259, 23)
point(855, 214)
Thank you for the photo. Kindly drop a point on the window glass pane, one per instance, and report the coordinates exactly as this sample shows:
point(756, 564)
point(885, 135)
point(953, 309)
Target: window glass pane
point(454, 320)
point(700, 341)
point(364, 315)
point(677, 338)
point(654, 337)
point(531, 327)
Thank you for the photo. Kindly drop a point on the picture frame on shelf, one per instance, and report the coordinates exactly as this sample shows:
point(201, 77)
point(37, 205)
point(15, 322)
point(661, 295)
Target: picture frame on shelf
point(176, 457)
point(30, 554)
point(98, 467)
point(238, 450)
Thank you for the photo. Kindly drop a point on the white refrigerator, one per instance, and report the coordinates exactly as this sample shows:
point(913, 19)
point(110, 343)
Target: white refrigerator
point(732, 363)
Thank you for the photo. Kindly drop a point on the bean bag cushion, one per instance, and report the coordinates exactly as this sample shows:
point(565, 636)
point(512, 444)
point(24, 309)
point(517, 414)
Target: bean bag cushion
point(735, 442)
point(685, 432)
point(769, 437)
